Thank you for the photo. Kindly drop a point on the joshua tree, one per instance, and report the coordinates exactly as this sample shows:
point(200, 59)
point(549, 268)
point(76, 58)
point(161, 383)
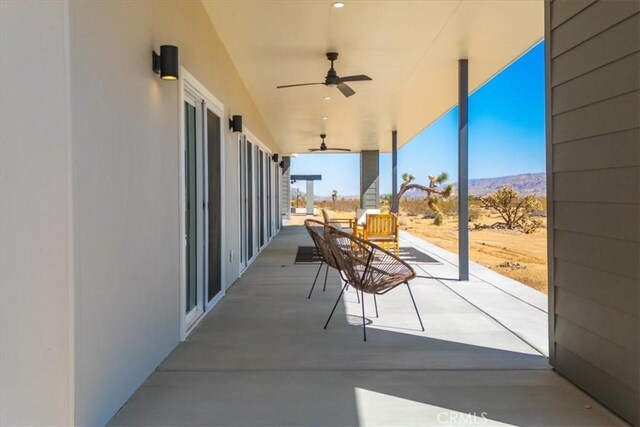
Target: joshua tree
point(515, 210)
point(334, 197)
point(434, 193)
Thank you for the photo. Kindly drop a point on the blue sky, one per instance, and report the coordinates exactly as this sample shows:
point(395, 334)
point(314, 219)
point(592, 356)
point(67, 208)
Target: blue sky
point(506, 136)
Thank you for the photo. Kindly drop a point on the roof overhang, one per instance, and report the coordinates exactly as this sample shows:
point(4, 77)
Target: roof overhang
point(409, 48)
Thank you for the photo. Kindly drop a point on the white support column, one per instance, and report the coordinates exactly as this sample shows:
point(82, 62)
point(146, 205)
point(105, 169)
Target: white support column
point(309, 197)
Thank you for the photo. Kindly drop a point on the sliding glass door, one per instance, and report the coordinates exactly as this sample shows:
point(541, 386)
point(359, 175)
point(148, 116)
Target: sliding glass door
point(203, 201)
point(214, 204)
point(257, 198)
point(191, 213)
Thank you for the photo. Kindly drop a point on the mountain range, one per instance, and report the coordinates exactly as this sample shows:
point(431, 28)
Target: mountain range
point(525, 184)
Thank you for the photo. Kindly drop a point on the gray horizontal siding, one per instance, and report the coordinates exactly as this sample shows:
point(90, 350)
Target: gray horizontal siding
point(610, 45)
point(592, 20)
point(614, 79)
point(618, 221)
point(602, 321)
point(618, 396)
point(610, 255)
point(612, 150)
point(619, 185)
point(611, 290)
point(593, 119)
point(611, 115)
point(612, 359)
point(561, 11)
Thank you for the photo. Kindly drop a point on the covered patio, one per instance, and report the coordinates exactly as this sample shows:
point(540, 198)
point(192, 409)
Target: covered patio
point(262, 357)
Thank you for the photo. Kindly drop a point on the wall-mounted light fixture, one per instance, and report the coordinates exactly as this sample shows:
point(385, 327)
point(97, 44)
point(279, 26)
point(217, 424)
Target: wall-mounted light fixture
point(281, 164)
point(235, 123)
point(166, 64)
point(275, 158)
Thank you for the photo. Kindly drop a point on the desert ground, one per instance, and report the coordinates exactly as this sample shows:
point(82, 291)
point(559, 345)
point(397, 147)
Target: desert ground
point(520, 256)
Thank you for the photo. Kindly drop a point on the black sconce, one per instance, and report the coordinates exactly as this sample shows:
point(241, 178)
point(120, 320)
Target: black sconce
point(275, 158)
point(281, 164)
point(166, 64)
point(235, 123)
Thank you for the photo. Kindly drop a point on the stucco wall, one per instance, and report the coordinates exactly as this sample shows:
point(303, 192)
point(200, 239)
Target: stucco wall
point(126, 170)
point(35, 215)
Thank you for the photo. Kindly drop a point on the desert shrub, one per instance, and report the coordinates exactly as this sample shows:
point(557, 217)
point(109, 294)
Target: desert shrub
point(413, 207)
point(429, 215)
point(449, 206)
point(439, 218)
point(475, 213)
point(515, 211)
point(386, 200)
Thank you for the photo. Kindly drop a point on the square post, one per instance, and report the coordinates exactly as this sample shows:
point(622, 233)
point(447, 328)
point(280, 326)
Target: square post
point(369, 179)
point(310, 209)
point(394, 171)
point(285, 188)
point(463, 169)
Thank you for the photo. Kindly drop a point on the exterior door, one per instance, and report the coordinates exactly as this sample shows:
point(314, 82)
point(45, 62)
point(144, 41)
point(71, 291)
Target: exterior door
point(203, 206)
point(193, 167)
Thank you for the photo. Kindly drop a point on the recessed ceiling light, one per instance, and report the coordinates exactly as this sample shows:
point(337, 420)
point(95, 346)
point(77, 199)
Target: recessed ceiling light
point(338, 4)
point(325, 118)
point(327, 98)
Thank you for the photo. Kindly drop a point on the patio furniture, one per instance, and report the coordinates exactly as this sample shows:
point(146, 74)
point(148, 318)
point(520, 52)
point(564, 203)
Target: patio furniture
point(361, 219)
point(382, 229)
point(316, 231)
point(368, 268)
point(336, 222)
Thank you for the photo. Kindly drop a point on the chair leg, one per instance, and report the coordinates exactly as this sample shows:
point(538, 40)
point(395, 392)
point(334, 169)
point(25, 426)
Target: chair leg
point(415, 306)
point(375, 302)
point(357, 296)
point(364, 319)
point(335, 305)
point(314, 280)
point(324, 288)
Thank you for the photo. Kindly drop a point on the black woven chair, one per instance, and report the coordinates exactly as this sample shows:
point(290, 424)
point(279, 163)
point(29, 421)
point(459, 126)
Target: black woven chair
point(368, 268)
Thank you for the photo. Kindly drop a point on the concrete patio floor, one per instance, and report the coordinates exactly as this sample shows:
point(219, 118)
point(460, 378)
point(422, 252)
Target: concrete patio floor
point(261, 356)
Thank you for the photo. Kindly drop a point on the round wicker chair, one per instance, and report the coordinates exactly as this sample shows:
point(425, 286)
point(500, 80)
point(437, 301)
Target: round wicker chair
point(316, 231)
point(368, 268)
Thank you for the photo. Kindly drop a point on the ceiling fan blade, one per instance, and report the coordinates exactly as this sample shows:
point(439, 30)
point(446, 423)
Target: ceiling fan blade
point(338, 149)
point(358, 78)
point(301, 84)
point(314, 149)
point(346, 90)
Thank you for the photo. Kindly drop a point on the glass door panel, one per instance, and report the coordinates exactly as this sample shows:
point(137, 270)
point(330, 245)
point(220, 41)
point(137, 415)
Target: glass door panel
point(214, 215)
point(261, 217)
point(250, 203)
point(191, 238)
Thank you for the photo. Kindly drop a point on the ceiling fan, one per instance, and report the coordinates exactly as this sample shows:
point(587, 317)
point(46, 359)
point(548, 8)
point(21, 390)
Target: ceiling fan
point(323, 146)
point(333, 80)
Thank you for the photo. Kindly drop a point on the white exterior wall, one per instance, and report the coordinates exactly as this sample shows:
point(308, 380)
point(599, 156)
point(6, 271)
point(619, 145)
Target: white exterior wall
point(87, 315)
point(127, 199)
point(35, 215)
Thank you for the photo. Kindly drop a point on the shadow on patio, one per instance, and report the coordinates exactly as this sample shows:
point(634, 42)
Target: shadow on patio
point(261, 357)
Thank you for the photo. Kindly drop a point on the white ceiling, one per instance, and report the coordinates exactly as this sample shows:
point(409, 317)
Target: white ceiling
point(409, 48)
